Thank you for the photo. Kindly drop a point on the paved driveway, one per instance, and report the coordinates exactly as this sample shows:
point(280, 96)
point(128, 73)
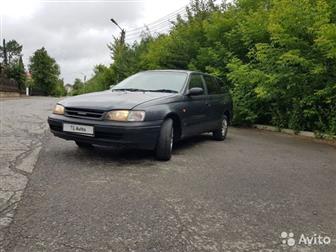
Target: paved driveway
point(236, 195)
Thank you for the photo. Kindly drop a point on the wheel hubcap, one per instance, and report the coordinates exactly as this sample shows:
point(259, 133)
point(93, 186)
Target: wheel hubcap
point(224, 126)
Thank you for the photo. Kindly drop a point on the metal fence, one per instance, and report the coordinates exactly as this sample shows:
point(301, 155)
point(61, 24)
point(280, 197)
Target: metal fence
point(8, 85)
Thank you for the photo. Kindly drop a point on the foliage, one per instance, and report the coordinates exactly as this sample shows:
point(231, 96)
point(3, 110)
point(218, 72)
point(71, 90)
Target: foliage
point(16, 70)
point(296, 67)
point(13, 49)
point(11, 54)
point(45, 72)
point(59, 89)
point(277, 56)
point(77, 87)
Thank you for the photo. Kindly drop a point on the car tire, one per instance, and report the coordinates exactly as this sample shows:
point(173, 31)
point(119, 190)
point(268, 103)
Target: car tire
point(220, 134)
point(84, 145)
point(165, 141)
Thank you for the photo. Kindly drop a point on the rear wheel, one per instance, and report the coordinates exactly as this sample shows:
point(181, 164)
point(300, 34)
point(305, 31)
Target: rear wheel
point(220, 134)
point(165, 142)
point(84, 145)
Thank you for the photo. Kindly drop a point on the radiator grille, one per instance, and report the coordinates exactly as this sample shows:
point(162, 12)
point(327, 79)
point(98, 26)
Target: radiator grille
point(84, 113)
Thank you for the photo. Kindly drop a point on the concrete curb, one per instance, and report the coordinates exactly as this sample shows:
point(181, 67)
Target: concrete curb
point(292, 132)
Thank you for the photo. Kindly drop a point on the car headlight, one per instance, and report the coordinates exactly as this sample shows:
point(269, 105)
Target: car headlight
point(136, 116)
point(125, 115)
point(59, 109)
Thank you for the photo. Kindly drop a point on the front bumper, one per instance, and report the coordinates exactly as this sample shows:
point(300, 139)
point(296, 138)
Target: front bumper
point(142, 135)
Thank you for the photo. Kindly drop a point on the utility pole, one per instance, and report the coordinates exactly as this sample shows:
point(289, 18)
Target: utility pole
point(122, 36)
point(84, 81)
point(122, 41)
point(123, 32)
point(4, 52)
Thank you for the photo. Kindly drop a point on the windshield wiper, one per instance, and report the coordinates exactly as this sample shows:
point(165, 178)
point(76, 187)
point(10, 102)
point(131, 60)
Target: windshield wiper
point(129, 89)
point(162, 90)
point(144, 90)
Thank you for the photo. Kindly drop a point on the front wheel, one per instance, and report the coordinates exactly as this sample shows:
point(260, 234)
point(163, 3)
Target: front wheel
point(165, 142)
point(220, 134)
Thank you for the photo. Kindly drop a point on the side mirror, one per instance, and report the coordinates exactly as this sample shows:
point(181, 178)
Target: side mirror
point(195, 91)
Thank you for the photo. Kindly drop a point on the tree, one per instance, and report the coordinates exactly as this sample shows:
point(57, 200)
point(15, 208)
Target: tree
point(17, 71)
point(59, 89)
point(278, 57)
point(3, 53)
point(45, 71)
point(123, 59)
point(10, 51)
point(77, 87)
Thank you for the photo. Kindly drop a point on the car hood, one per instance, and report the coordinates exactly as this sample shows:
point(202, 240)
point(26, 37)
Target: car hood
point(108, 100)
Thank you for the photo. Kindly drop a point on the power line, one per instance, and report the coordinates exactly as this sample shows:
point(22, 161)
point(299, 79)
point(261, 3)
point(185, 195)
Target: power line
point(151, 26)
point(158, 27)
point(135, 36)
point(164, 18)
point(157, 30)
point(162, 24)
point(160, 20)
point(155, 24)
point(167, 23)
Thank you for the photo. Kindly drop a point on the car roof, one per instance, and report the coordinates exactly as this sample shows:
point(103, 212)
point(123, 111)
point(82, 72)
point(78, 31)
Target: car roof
point(176, 70)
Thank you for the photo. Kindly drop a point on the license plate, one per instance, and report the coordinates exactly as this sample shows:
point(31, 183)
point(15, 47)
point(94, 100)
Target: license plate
point(78, 128)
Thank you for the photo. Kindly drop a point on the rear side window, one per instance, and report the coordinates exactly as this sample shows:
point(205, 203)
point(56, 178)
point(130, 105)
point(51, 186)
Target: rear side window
point(212, 85)
point(196, 81)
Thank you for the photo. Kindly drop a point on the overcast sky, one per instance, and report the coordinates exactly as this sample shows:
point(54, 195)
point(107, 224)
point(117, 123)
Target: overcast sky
point(75, 33)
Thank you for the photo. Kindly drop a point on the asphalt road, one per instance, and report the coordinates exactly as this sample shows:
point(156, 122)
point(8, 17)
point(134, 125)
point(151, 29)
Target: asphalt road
point(22, 130)
point(236, 195)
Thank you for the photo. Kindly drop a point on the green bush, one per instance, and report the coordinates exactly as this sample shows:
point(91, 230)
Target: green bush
point(278, 57)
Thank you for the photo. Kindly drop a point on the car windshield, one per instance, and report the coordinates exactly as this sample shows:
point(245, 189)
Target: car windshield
point(156, 81)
